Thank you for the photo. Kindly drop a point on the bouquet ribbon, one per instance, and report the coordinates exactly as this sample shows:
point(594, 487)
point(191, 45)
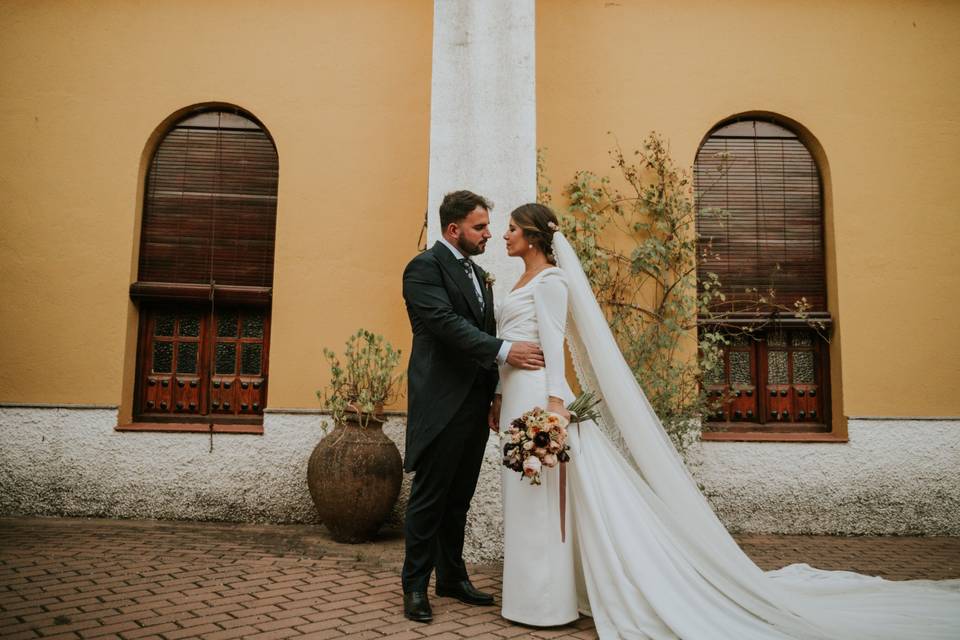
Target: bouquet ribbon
point(563, 502)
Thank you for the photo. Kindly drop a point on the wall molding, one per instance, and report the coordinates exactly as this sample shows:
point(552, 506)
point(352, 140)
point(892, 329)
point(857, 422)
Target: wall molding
point(48, 405)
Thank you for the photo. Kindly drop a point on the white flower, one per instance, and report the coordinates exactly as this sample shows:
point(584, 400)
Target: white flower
point(531, 466)
point(489, 278)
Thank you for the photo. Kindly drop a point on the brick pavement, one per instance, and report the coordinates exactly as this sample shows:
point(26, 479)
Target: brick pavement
point(82, 578)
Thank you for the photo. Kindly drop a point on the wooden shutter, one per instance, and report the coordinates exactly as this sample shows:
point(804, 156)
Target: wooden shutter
point(775, 380)
point(767, 183)
point(203, 365)
point(210, 206)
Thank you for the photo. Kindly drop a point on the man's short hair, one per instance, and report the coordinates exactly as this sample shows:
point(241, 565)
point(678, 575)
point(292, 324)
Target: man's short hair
point(458, 204)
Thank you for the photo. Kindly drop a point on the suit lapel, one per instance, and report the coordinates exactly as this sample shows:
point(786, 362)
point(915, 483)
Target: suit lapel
point(455, 270)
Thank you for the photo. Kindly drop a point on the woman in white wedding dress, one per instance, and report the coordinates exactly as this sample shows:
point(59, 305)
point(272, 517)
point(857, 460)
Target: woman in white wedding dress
point(627, 537)
point(539, 583)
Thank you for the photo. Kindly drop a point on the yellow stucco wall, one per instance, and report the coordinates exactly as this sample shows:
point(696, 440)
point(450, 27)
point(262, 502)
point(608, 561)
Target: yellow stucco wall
point(343, 88)
point(875, 85)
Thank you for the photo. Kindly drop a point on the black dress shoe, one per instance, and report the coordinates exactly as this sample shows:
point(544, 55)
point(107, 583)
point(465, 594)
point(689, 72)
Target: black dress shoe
point(465, 592)
point(416, 607)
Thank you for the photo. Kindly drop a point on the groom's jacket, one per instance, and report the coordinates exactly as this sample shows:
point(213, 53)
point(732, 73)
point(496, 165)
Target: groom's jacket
point(453, 344)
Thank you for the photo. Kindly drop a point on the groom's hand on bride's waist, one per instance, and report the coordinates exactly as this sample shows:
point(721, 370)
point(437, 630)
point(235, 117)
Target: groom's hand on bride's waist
point(525, 355)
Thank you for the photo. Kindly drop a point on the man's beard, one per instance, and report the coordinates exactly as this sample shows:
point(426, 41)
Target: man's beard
point(470, 249)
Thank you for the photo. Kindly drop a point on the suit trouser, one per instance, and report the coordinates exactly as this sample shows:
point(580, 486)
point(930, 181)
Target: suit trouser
point(445, 479)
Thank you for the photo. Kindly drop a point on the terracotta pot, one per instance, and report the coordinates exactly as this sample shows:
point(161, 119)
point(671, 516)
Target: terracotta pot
point(354, 475)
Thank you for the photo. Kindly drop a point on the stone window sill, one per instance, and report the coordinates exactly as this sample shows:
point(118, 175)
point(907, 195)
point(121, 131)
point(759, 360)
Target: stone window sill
point(187, 427)
point(766, 436)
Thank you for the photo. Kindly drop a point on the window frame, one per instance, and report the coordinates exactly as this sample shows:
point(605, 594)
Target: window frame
point(237, 289)
point(825, 429)
point(206, 368)
point(760, 349)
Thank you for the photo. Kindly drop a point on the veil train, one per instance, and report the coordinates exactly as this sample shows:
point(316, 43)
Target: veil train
point(646, 530)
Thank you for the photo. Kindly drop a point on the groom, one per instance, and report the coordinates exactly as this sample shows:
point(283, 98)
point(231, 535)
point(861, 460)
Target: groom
point(451, 379)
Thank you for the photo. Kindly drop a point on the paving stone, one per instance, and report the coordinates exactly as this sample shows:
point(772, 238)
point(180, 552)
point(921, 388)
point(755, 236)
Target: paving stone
point(90, 578)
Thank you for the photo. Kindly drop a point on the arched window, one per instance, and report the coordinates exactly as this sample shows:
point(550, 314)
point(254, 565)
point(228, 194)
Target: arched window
point(205, 274)
point(760, 231)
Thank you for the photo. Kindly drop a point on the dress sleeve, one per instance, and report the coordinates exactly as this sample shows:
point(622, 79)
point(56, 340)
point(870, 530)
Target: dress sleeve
point(550, 302)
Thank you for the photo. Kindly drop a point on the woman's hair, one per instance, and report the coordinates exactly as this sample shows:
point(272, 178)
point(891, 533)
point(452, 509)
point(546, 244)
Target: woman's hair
point(538, 223)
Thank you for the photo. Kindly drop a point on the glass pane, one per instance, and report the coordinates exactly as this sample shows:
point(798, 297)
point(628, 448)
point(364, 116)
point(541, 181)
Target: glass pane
point(715, 375)
point(162, 357)
point(253, 326)
point(226, 357)
point(802, 339)
point(739, 340)
point(752, 129)
point(187, 357)
point(250, 359)
point(218, 119)
point(164, 325)
point(777, 367)
point(227, 325)
point(777, 339)
point(740, 367)
point(190, 326)
point(803, 367)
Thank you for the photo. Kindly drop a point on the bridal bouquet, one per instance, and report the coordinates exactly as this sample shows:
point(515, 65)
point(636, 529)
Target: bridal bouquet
point(538, 438)
point(535, 440)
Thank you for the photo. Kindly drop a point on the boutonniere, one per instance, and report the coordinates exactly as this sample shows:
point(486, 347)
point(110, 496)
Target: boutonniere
point(489, 278)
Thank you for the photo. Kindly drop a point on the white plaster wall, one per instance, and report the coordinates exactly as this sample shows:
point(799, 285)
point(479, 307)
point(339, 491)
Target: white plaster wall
point(893, 477)
point(72, 462)
point(483, 115)
point(484, 539)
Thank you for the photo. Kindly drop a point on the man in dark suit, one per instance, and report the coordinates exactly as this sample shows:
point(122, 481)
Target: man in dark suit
point(451, 379)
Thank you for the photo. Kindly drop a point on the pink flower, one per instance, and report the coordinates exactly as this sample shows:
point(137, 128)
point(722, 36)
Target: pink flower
point(550, 460)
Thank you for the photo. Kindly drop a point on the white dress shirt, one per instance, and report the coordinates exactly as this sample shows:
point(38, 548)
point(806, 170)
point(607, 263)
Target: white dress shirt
point(505, 347)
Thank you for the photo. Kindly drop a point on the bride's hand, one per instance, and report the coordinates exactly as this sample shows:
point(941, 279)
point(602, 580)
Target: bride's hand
point(555, 405)
point(493, 417)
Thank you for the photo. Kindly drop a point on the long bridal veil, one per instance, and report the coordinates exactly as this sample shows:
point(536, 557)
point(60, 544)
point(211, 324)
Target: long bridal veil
point(660, 564)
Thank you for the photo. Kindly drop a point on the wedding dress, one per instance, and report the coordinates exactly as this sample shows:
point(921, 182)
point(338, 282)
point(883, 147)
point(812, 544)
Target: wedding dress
point(650, 559)
point(539, 585)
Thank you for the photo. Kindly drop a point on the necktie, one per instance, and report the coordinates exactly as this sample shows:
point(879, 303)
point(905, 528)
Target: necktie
point(468, 269)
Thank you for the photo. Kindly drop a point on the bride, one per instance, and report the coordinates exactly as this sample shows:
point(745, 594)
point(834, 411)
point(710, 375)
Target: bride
point(632, 542)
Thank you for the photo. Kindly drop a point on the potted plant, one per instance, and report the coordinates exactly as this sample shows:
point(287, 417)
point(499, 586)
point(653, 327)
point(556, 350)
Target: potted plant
point(355, 471)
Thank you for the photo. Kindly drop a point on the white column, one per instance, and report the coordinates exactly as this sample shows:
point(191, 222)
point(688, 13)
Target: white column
point(483, 132)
